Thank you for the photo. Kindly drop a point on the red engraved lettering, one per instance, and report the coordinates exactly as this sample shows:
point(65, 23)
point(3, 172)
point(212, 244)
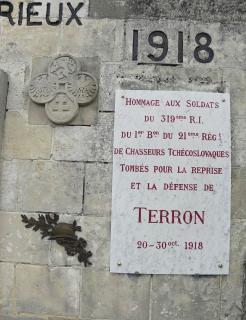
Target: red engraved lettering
point(152, 216)
point(187, 217)
point(139, 213)
point(176, 215)
point(164, 216)
point(199, 217)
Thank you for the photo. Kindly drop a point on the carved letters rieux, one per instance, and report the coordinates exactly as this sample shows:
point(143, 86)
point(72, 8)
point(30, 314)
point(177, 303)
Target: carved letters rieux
point(63, 89)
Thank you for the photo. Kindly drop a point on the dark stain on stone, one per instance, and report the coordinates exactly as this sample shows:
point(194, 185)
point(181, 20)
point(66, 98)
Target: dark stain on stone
point(146, 7)
point(200, 10)
point(244, 291)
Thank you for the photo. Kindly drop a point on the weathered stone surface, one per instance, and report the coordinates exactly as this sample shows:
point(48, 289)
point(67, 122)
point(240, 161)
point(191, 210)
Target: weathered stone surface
point(108, 82)
point(180, 297)
point(23, 141)
point(108, 9)
point(18, 244)
point(85, 143)
point(190, 79)
point(7, 287)
point(104, 138)
point(8, 185)
point(16, 78)
point(40, 290)
point(236, 78)
point(238, 142)
point(49, 186)
point(232, 285)
point(19, 43)
point(238, 134)
point(137, 77)
point(231, 297)
point(11, 52)
point(21, 318)
point(124, 76)
point(174, 9)
point(114, 296)
point(239, 158)
point(96, 231)
point(102, 38)
point(98, 189)
point(74, 143)
point(55, 318)
point(232, 46)
point(238, 192)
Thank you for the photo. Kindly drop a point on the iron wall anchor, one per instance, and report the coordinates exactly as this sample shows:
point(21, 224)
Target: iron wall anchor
point(62, 233)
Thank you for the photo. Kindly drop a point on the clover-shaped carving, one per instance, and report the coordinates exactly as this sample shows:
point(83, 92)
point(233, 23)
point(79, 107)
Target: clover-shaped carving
point(63, 89)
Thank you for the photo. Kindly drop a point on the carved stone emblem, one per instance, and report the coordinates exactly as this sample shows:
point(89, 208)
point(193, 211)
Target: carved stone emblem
point(63, 89)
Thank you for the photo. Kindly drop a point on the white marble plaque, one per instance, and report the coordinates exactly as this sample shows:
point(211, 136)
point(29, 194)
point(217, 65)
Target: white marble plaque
point(171, 183)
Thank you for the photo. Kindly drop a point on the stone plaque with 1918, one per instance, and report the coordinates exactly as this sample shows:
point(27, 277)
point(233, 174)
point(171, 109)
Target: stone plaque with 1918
point(171, 183)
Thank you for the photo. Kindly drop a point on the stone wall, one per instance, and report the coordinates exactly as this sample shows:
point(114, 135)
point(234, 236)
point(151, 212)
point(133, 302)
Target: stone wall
point(68, 169)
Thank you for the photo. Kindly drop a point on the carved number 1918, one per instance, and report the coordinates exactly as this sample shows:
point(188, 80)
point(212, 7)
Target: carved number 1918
point(203, 53)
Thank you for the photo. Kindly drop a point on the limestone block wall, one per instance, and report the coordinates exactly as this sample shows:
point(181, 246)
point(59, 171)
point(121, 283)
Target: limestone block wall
point(67, 170)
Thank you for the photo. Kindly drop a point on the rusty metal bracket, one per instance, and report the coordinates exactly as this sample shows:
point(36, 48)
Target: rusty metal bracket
point(62, 233)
